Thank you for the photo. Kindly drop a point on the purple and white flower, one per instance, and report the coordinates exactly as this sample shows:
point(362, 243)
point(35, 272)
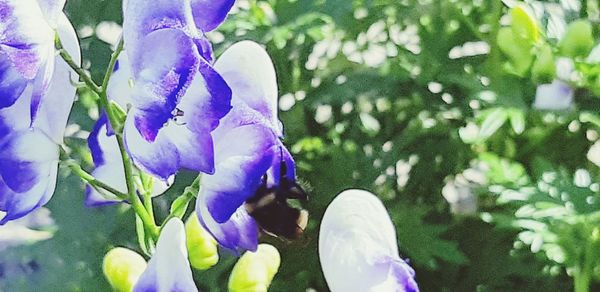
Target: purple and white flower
point(177, 98)
point(37, 96)
point(169, 268)
point(247, 147)
point(358, 249)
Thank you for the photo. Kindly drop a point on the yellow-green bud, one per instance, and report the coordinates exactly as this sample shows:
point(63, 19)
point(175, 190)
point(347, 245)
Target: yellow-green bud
point(122, 268)
point(524, 26)
point(544, 69)
point(578, 40)
point(254, 271)
point(202, 247)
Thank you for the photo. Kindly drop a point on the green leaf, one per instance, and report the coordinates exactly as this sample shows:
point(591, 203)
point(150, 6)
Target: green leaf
point(517, 120)
point(493, 120)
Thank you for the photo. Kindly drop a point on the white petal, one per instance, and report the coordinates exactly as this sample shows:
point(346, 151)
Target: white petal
point(169, 269)
point(249, 71)
point(55, 105)
point(357, 245)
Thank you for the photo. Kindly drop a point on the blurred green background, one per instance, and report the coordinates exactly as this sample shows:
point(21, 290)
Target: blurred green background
point(409, 99)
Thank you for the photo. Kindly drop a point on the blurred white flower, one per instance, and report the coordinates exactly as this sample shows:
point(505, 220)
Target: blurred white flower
point(109, 32)
point(459, 195)
point(554, 96)
point(565, 67)
point(36, 226)
point(593, 154)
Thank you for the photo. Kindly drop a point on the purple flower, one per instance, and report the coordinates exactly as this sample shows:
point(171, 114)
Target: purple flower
point(248, 150)
point(34, 114)
point(358, 249)
point(169, 268)
point(177, 98)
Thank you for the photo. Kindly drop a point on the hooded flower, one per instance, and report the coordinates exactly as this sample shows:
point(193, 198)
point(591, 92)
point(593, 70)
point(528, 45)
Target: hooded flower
point(32, 124)
point(357, 246)
point(177, 98)
point(247, 148)
point(169, 268)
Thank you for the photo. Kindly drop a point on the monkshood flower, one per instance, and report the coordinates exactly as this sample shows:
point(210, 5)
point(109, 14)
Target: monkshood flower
point(105, 148)
point(249, 155)
point(169, 268)
point(358, 249)
point(554, 96)
point(32, 128)
point(178, 98)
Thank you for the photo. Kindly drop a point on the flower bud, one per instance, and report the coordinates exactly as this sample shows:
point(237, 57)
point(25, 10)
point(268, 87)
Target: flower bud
point(254, 271)
point(122, 268)
point(544, 69)
point(202, 247)
point(578, 40)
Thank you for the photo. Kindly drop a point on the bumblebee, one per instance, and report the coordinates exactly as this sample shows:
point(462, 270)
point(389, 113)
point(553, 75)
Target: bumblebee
point(270, 207)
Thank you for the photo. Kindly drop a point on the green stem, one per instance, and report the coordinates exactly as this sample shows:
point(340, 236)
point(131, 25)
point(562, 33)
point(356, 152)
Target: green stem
point(181, 203)
point(134, 200)
point(582, 281)
point(69, 60)
point(132, 196)
point(91, 180)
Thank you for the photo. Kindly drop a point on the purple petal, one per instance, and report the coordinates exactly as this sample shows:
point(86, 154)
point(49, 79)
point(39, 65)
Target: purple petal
point(55, 104)
point(169, 268)
point(12, 83)
point(176, 146)
point(242, 157)
point(17, 205)
point(100, 128)
point(25, 36)
point(162, 76)
point(238, 233)
point(208, 14)
point(109, 166)
point(16, 117)
point(24, 159)
point(206, 102)
point(249, 71)
point(274, 173)
point(159, 158)
point(142, 18)
point(205, 49)
point(26, 155)
point(194, 148)
point(405, 276)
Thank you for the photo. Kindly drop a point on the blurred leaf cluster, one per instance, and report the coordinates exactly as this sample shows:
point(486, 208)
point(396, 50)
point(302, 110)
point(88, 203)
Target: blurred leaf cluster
point(428, 104)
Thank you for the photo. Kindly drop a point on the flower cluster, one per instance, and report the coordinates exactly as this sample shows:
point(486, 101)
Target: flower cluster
point(178, 109)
